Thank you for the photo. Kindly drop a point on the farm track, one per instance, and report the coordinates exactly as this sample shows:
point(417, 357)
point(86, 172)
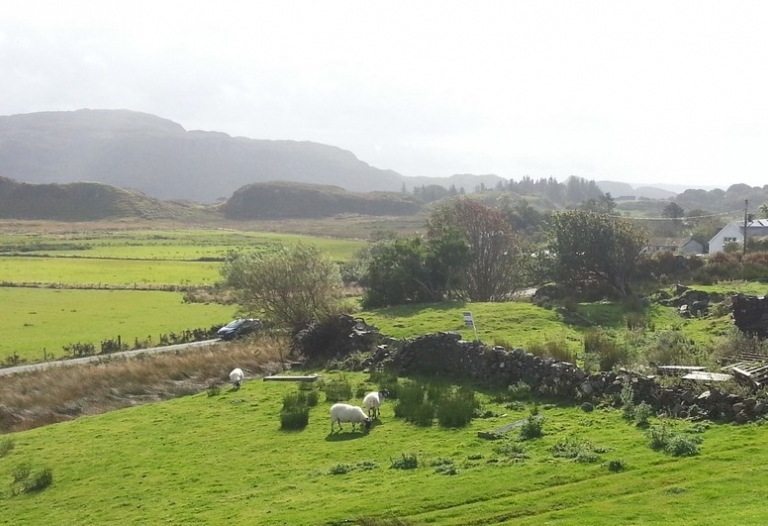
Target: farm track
point(19, 369)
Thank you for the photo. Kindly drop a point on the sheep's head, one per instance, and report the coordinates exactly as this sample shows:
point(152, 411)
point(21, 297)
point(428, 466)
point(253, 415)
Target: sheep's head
point(384, 393)
point(367, 423)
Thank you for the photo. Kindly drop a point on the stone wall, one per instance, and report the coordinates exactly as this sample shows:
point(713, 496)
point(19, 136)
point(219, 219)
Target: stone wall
point(750, 314)
point(446, 355)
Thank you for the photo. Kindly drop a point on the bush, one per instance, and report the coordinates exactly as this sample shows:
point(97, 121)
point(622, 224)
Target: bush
point(457, 409)
point(6, 446)
point(603, 351)
point(294, 418)
point(338, 390)
point(39, 481)
point(676, 444)
point(556, 349)
point(340, 469)
point(616, 465)
point(519, 391)
point(406, 461)
point(578, 451)
point(532, 427)
point(674, 348)
point(642, 413)
point(513, 450)
point(295, 412)
point(213, 390)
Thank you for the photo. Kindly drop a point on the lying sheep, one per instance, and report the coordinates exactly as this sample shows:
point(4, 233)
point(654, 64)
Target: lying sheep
point(349, 413)
point(236, 376)
point(373, 401)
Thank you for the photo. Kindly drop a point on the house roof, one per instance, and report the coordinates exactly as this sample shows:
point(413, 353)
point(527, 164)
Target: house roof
point(668, 241)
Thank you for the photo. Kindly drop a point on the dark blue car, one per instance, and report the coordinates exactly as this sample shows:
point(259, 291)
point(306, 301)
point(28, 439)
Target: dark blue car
point(238, 328)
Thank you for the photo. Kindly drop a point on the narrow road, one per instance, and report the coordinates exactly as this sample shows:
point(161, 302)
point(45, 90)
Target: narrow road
point(6, 371)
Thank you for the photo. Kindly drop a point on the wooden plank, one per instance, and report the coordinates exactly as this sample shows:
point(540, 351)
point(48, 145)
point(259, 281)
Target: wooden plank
point(703, 376)
point(310, 378)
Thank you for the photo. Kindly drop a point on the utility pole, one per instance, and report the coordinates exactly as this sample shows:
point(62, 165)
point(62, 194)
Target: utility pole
point(744, 248)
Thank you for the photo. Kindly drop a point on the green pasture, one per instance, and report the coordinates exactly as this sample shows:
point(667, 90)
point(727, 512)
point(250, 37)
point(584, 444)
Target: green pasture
point(37, 319)
point(108, 272)
point(163, 244)
point(520, 324)
point(223, 459)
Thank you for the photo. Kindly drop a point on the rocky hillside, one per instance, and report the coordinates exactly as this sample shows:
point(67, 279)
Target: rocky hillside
point(163, 160)
point(86, 202)
point(284, 200)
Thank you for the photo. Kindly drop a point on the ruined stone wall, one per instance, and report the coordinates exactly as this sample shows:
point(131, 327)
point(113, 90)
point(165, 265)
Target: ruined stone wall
point(750, 314)
point(446, 355)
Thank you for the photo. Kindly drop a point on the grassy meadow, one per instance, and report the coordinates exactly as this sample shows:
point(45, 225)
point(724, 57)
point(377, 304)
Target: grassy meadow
point(215, 459)
point(37, 319)
point(61, 259)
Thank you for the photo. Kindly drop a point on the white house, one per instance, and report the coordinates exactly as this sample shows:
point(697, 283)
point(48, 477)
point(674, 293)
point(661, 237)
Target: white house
point(734, 233)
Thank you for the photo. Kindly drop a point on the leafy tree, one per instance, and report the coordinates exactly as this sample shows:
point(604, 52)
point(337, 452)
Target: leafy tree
point(673, 210)
point(588, 246)
point(494, 268)
point(286, 287)
point(412, 271)
point(395, 274)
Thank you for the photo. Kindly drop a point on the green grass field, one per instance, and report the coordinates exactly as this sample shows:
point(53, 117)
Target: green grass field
point(37, 319)
point(187, 245)
point(223, 459)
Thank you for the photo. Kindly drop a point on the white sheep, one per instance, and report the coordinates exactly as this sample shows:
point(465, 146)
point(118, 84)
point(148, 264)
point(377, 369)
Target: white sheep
point(373, 401)
point(349, 413)
point(236, 376)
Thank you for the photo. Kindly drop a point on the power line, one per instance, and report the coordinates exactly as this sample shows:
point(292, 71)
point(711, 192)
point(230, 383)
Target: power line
point(676, 218)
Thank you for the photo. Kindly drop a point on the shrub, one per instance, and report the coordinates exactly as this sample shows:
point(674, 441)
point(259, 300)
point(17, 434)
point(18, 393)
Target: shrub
point(676, 444)
point(406, 461)
point(603, 351)
point(295, 412)
point(413, 406)
point(643, 411)
point(338, 390)
point(457, 409)
point(313, 397)
point(6, 446)
point(532, 427)
point(519, 391)
point(21, 473)
point(39, 481)
point(683, 445)
point(214, 390)
point(616, 465)
point(673, 348)
point(294, 418)
point(513, 450)
point(340, 469)
point(578, 451)
point(627, 398)
point(556, 349)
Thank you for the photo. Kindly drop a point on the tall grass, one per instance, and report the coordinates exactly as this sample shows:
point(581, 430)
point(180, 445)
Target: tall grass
point(61, 393)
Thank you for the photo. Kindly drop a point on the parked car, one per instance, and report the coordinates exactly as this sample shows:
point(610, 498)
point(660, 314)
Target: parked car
point(239, 327)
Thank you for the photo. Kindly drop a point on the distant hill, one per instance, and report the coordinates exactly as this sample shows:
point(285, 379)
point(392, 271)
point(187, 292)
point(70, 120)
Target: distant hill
point(618, 189)
point(283, 200)
point(158, 157)
point(86, 202)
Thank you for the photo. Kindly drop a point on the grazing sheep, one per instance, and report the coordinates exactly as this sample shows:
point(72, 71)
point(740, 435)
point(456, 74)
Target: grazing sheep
point(349, 413)
point(373, 401)
point(236, 376)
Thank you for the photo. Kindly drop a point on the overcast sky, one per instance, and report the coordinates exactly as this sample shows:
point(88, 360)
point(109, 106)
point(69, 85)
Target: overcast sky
point(642, 92)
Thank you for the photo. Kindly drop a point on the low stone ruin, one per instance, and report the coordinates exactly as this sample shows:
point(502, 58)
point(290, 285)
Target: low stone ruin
point(446, 355)
point(750, 314)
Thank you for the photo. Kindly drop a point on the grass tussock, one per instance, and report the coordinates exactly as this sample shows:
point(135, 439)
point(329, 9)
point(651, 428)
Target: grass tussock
point(62, 393)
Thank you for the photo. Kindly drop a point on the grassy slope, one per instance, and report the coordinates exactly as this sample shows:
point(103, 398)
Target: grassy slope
point(34, 319)
point(222, 459)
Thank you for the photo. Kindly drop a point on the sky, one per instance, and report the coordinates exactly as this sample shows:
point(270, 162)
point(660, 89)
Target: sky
point(643, 92)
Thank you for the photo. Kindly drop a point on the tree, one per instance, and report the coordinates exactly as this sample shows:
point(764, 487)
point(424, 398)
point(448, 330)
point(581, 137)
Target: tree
point(287, 287)
point(411, 271)
point(494, 268)
point(673, 210)
point(588, 246)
